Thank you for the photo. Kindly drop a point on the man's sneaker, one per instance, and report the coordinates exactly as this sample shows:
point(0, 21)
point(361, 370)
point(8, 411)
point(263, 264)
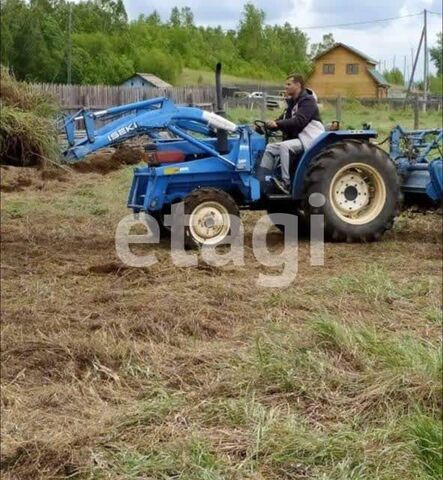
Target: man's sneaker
point(285, 187)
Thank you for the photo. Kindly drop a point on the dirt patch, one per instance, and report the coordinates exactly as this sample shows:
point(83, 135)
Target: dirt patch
point(107, 268)
point(32, 457)
point(108, 160)
point(16, 179)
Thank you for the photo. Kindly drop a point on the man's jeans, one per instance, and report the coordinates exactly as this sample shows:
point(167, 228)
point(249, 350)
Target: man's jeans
point(282, 150)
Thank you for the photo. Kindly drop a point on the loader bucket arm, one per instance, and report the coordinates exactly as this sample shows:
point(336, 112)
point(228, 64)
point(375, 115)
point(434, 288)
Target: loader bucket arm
point(147, 117)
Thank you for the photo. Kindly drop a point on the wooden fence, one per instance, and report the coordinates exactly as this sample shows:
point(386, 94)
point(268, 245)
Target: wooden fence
point(97, 97)
point(389, 103)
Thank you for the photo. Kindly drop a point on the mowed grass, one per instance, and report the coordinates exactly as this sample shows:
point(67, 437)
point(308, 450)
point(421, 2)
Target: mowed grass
point(111, 372)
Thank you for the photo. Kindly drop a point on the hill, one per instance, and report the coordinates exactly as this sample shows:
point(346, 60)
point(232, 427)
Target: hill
point(206, 77)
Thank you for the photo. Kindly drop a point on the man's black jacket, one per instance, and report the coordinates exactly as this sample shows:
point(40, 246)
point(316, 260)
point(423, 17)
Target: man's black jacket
point(298, 114)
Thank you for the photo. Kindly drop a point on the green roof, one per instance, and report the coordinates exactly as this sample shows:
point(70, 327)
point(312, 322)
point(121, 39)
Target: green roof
point(378, 77)
point(352, 49)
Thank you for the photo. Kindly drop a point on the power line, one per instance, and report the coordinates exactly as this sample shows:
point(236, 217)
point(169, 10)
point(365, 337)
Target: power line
point(351, 23)
point(361, 23)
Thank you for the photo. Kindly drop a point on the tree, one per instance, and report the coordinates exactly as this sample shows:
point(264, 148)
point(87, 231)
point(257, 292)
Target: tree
point(327, 42)
point(159, 63)
point(187, 17)
point(154, 18)
point(115, 11)
point(436, 84)
point(394, 76)
point(437, 54)
point(38, 46)
point(175, 18)
point(250, 34)
point(288, 46)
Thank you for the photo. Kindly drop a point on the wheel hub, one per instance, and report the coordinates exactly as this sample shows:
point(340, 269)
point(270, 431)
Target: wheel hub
point(209, 222)
point(357, 193)
point(351, 192)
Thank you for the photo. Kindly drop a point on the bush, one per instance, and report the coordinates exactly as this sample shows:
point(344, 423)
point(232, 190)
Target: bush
point(27, 131)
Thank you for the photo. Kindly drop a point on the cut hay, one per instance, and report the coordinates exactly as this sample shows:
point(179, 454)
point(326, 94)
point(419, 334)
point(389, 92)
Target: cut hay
point(28, 135)
point(110, 159)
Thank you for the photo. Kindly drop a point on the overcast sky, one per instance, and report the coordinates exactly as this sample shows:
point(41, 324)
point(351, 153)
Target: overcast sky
point(382, 40)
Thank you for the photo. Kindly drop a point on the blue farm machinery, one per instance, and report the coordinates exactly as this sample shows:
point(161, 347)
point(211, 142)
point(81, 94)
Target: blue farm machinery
point(209, 163)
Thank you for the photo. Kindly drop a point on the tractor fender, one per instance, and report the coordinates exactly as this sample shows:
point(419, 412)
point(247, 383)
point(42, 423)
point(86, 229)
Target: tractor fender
point(324, 140)
point(434, 188)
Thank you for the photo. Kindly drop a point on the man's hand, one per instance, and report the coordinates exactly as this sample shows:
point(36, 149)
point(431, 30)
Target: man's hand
point(271, 124)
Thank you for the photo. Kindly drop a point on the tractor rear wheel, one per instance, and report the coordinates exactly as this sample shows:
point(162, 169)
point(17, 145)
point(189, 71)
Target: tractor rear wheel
point(360, 191)
point(210, 212)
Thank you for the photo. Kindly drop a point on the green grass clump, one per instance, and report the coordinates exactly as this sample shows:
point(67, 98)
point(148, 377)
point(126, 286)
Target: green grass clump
point(355, 402)
point(426, 432)
point(190, 459)
point(27, 131)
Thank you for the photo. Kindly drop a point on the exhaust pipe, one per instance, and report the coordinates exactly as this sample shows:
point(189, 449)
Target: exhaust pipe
point(218, 90)
point(222, 135)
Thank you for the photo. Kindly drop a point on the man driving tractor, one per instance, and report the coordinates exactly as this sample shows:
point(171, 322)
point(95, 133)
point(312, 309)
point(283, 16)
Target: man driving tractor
point(300, 125)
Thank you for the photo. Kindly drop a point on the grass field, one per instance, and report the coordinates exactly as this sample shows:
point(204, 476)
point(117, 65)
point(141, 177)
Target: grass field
point(382, 118)
point(202, 77)
point(111, 372)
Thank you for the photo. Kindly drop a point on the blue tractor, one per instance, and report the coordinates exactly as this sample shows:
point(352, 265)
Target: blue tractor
point(208, 162)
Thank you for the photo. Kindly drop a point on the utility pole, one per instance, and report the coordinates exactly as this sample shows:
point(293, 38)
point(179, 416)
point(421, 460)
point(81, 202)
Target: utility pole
point(404, 70)
point(393, 63)
point(411, 79)
point(69, 72)
point(425, 69)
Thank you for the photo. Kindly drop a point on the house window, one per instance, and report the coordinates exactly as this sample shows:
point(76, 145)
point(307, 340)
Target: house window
point(352, 68)
point(329, 68)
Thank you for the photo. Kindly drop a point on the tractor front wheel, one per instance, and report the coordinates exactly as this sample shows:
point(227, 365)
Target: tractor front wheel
point(360, 191)
point(210, 211)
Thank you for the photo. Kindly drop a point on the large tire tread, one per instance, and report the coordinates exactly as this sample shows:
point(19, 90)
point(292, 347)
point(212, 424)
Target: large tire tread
point(357, 149)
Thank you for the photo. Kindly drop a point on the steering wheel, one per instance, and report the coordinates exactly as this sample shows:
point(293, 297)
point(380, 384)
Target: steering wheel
point(262, 129)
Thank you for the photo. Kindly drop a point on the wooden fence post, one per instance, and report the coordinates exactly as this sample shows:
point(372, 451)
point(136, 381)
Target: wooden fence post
point(416, 112)
point(338, 103)
point(263, 108)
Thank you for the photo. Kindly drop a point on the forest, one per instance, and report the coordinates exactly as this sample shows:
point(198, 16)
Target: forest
point(105, 47)
point(40, 38)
